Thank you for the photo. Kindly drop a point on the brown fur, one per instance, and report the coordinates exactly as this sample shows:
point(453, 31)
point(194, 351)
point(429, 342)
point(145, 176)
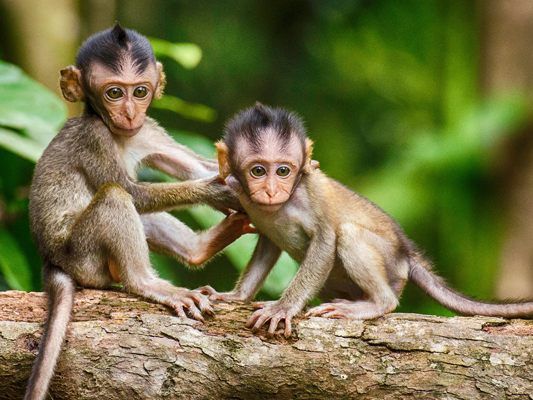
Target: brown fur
point(350, 252)
point(94, 222)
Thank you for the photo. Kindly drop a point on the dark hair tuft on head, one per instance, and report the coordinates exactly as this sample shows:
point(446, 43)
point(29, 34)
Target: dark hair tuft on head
point(250, 124)
point(121, 36)
point(111, 48)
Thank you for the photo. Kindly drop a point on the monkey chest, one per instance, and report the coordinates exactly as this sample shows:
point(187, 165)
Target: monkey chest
point(286, 232)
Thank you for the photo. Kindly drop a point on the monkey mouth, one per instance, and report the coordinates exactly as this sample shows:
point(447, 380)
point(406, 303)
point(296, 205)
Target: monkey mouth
point(123, 131)
point(268, 205)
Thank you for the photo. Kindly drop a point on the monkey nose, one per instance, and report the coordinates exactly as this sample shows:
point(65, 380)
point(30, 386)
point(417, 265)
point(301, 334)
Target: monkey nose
point(271, 191)
point(130, 110)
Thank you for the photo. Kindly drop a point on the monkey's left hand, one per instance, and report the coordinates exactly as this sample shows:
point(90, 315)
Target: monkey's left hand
point(275, 312)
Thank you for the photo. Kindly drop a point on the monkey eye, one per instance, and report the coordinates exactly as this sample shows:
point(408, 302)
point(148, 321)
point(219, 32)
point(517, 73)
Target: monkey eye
point(140, 92)
point(258, 171)
point(114, 93)
point(283, 171)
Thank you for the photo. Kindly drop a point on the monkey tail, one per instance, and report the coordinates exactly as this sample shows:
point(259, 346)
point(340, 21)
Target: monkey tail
point(420, 273)
point(60, 288)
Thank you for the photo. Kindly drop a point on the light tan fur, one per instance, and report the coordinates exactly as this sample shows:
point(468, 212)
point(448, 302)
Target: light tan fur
point(350, 252)
point(94, 222)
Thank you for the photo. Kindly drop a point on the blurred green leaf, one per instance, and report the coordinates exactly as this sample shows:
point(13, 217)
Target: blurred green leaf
point(20, 145)
point(198, 112)
point(28, 106)
point(186, 54)
point(198, 143)
point(13, 263)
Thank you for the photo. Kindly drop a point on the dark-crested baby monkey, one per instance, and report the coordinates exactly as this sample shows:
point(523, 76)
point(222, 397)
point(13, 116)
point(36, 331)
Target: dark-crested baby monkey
point(350, 252)
point(92, 221)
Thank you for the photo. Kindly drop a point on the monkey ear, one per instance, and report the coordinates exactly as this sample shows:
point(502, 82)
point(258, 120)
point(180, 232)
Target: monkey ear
point(161, 82)
point(222, 155)
point(309, 164)
point(70, 83)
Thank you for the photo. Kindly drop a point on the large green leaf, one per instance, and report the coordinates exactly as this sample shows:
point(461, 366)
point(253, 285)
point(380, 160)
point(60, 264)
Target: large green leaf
point(30, 114)
point(13, 264)
point(27, 105)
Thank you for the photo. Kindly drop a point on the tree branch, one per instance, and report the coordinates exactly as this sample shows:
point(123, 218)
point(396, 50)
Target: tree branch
point(120, 347)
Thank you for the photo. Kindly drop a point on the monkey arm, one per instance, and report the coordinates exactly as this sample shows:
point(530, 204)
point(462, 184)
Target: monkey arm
point(102, 167)
point(265, 256)
point(313, 271)
point(168, 235)
point(311, 276)
point(153, 197)
point(181, 162)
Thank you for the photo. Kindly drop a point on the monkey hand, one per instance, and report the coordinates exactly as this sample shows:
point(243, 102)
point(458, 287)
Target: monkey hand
point(229, 297)
point(222, 197)
point(191, 302)
point(275, 312)
point(239, 224)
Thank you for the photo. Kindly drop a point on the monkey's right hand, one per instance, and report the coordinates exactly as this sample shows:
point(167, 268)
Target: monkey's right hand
point(229, 297)
point(221, 196)
point(191, 302)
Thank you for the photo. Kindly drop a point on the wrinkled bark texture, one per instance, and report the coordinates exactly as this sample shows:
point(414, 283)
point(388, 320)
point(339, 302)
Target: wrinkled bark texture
point(120, 347)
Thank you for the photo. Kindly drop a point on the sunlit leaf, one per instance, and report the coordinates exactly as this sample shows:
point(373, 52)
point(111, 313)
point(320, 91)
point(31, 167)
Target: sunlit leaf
point(186, 54)
point(13, 264)
point(20, 145)
point(27, 106)
point(188, 110)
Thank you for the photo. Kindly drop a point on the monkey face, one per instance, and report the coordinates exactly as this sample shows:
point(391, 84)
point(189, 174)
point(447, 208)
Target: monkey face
point(122, 98)
point(270, 171)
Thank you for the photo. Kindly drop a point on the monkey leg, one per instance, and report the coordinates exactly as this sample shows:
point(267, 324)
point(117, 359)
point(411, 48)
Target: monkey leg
point(109, 231)
point(168, 235)
point(363, 256)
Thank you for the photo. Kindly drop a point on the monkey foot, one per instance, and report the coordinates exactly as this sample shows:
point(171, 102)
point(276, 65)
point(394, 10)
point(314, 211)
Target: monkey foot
point(191, 303)
point(228, 297)
point(276, 313)
point(345, 309)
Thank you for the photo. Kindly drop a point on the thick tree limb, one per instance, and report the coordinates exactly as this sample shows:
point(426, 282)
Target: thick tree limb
point(120, 347)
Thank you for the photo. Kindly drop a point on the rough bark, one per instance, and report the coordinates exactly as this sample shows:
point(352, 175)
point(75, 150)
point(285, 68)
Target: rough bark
point(120, 347)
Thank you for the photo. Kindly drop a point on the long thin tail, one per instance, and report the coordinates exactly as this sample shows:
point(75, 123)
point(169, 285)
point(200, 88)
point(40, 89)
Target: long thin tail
point(421, 274)
point(60, 288)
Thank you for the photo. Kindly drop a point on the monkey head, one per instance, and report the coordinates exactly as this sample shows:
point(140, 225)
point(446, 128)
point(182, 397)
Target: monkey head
point(265, 151)
point(117, 76)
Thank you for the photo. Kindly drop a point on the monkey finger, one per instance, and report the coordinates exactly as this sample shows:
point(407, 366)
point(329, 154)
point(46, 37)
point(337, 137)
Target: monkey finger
point(320, 310)
point(179, 310)
point(253, 318)
point(249, 228)
point(260, 304)
point(195, 313)
point(205, 305)
point(273, 325)
point(288, 327)
point(261, 321)
point(336, 314)
point(207, 290)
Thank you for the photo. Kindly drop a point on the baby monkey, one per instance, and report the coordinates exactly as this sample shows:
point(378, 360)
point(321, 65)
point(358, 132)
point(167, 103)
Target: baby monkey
point(92, 220)
point(351, 253)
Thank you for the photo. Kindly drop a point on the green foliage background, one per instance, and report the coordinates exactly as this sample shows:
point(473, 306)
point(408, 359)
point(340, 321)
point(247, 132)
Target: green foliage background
point(390, 94)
